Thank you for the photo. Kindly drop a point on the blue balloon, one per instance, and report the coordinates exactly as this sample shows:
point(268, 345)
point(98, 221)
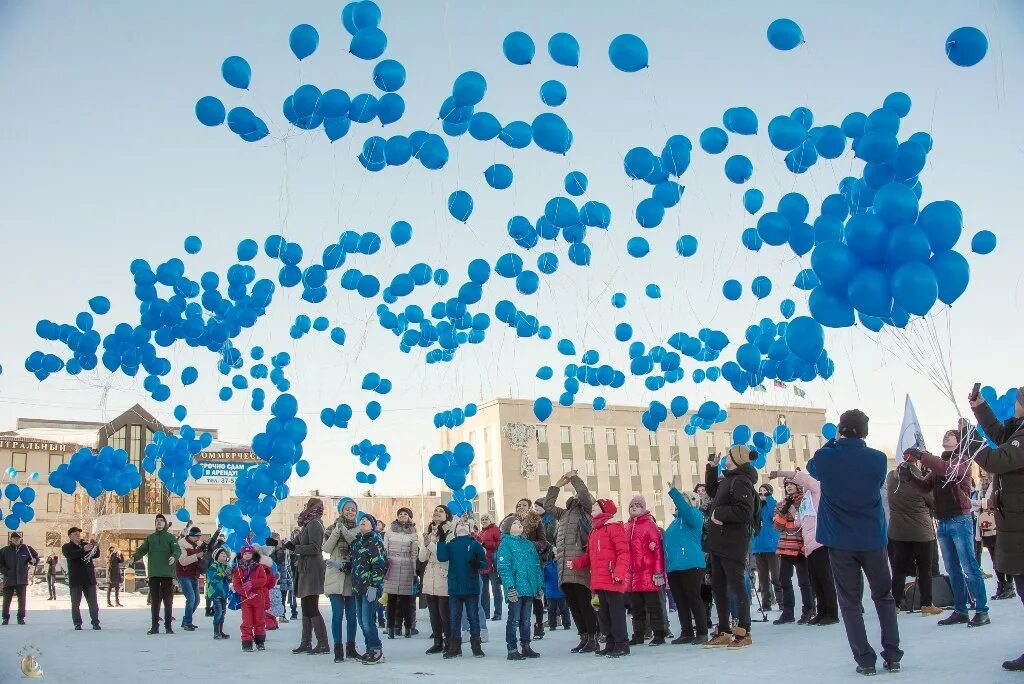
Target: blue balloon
point(469, 88)
point(518, 48)
point(637, 247)
point(869, 292)
point(784, 34)
point(639, 162)
point(390, 108)
point(738, 169)
point(732, 290)
point(368, 43)
point(628, 53)
point(551, 133)
point(575, 183)
point(761, 287)
point(552, 93)
point(564, 49)
point(668, 193)
point(952, 273)
point(753, 200)
point(787, 308)
point(236, 72)
point(650, 213)
point(751, 240)
point(794, 207)
point(895, 204)
point(542, 408)
point(966, 46)
point(740, 120)
point(834, 263)
point(942, 221)
point(831, 310)
point(805, 338)
point(877, 146)
point(786, 133)
point(210, 111)
point(303, 40)
point(460, 205)
point(774, 228)
point(915, 288)
point(983, 242)
point(829, 141)
point(401, 233)
point(389, 75)
point(193, 244)
point(623, 332)
point(498, 176)
point(675, 155)
point(713, 140)
point(686, 245)
point(484, 126)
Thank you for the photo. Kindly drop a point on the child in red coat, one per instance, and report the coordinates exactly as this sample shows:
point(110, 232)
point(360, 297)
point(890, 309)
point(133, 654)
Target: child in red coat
point(647, 573)
point(607, 557)
point(249, 580)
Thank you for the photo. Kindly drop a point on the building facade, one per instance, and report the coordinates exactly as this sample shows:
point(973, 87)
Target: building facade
point(517, 457)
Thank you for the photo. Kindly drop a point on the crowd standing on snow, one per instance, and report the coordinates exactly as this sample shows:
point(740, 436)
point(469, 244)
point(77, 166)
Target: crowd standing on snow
point(730, 545)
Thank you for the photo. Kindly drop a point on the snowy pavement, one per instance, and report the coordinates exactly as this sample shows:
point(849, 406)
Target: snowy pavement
point(122, 649)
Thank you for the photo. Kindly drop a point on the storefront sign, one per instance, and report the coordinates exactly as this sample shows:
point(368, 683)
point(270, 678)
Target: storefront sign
point(223, 473)
point(36, 445)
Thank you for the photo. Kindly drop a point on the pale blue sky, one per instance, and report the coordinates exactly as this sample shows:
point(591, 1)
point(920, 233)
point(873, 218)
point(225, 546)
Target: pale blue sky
point(103, 161)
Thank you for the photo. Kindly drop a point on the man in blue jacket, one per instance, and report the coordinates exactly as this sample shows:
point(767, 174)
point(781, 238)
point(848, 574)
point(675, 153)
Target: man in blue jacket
point(851, 523)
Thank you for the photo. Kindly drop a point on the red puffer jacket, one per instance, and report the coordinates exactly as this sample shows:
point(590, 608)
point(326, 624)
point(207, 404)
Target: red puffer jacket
point(607, 555)
point(489, 538)
point(258, 578)
point(644, 563)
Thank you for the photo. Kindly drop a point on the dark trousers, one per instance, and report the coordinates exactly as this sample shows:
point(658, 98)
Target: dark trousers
point(10, 591)
point(613, 613)
point(685, 587)
point(787, 565)
point(729, 576)
point(399, 612)
point(538, 611)
point(912, 559)
point(849, 569)
point(768, 578)
point(646, 611)
point(558, 607)
point(1002, 581)
point(439, 611)
point(469, 603)
point(89, 593)
point(161, 591)
point(578, 598)
point(310, 606)
point(819, 571)
point(116, 588)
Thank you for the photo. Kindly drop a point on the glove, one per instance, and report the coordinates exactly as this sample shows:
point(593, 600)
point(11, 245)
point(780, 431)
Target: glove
point(247, 586)
point(371, 594)
point(616, 580)
point(512, 595)
point(659, 580)
point(540, 594)
point(652, 546)
point(171, 561)
point(290, 545)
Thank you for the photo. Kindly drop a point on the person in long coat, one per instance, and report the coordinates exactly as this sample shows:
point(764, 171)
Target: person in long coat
point(435, 576)
point(308, 545)
point(402, 546)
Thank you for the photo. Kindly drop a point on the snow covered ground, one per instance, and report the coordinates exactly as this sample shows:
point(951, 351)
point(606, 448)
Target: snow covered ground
point(122, 649)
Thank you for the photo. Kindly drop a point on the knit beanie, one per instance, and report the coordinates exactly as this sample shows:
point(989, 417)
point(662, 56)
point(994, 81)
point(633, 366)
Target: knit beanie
point(771, 490)
point(740, 454)
point(506, 524)
point(160, 516)
point(853, 424)
point(691, 498)
point(638, 500)
point(373, 521)
point(406, 510)
point(608, 506)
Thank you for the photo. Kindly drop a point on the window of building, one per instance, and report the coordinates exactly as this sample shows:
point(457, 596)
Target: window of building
point(673, 438)
point(55, 461)
point(563, 433)
point(490, 503)
point(693, 470)
point(591, 468)
point(655, 468)
point(119, 440)
point(675, 469)
point(19, 461)
point(542, 434)
point(631, 436)
point(53, 539)
point(691, 440)
point(609, 436)
point(487, 469)
point(471, 438)
point(588, 435)
point(711, 439)
point(657, 498)
point(652, 438)
point(203, 505)
point(487, 438)
point(803, 440)
point(566, 465)
point(542, 466)
point(634, 468)
point(613, 469)
point(53, 503)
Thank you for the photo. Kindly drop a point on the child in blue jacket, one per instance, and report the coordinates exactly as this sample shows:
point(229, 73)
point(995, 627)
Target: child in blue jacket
point(557, 605)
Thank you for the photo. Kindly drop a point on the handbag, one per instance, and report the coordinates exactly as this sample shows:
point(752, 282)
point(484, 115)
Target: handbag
point(234, 598)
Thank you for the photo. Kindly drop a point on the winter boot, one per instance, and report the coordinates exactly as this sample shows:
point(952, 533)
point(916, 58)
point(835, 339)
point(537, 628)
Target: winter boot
point(373, 658)
point(247, 646)
point(391, 633)
point(740, 640)
point(1015, 665)
point(979, 620)
point(805, 616)
point(474, 643)
point(339, 653)
point(350, 651)
point(719, 639)
point(659, 638)
point(323, 645)
point(684, 638)
point(700, 640)
point(638, 638)
point(954, 618)
point(609, 646)
point(222, 634)
point(619, 651)
point(584, 640)
point(167, 628)
point(592, 644)
point(785, 618)
point(307, 636)
point(155, 629)
point(538, 631)
point(513, 654)
point(261, 643)
point(529, 652)
point(454, 649)
point(438, 646)
point(408, 632)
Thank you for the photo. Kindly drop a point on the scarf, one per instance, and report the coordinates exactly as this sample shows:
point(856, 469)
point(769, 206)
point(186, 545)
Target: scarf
point(601, 519)
point(403, 528)
point(247, 566)
point(314, 510)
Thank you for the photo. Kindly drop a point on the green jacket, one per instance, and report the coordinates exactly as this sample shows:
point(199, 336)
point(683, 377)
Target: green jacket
point(158, 549)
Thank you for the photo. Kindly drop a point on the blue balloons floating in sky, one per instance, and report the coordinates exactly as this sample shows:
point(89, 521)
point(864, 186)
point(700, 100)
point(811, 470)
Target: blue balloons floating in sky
point(628, 53)
point(236, 72)
point(564, 49)
point(785, 34)
point(518, 48)
point(966, 46)
point(303, 41)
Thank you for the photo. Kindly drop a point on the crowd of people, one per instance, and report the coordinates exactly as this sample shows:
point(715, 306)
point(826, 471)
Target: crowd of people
point(730, 545)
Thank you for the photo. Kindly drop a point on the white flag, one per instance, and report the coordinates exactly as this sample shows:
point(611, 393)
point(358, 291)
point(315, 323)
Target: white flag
point(910, 431)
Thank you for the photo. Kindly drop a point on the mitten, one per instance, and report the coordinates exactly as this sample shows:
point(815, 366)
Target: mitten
point(512, 595)
point(659, 580)
point(371, 594)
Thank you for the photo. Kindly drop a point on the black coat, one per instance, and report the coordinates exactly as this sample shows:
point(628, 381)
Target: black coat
point(81, 573)
point(114, 562)
point(1006, 463)
point(733, 505)
point(14, 562)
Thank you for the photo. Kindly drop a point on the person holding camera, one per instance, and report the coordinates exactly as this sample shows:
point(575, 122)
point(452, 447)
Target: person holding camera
point(82, 577)
point(911, 534)
point(15, 558)
point(792, 557)
point(114, 575)
point(52, 563)
point(1006, 464)
point(338, 540)
point(161, 551)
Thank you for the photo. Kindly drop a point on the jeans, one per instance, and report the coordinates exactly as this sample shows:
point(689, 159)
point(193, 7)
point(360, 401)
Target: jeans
point(51, 584)
point(89, 592)
point(518, 618)
point(956, 539)
point(190, 590)
point(10, 591)
point(469, 603)
point(368, 621)
point(116, 588)
point(846, 569)
point(343, 607)
point(219, 606)
point(558, 607)
point(481, 620)
point(730, 577)
point(578, 597)
point(787, 564)
point(293, 603)
point(733, 605)
point(490, 585)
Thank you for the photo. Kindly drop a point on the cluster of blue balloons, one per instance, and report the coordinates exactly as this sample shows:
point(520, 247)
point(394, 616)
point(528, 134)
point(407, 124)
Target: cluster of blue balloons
point(452, 467)
point(525, 324)
point(304, 324)
point(641, 163)
point(172, 457)
point(370, 454)
point(519, 48)
point(81, 339)
point(21, 499)
point(784, 351)
point(374, 382)
point(106, 471)
point(338, 416)
point(453, 418)
point(707, 415)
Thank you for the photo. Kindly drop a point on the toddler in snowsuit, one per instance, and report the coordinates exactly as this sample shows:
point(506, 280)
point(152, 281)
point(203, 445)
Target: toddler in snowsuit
point(249, 581)
point(557, 605)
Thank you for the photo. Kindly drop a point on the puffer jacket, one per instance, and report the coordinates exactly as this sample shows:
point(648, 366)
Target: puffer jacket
point(607, 555)
point(464, 556)
point(518, 565)
point(807, 513)
point(401, 545)
point(337, 543)
point(732, 505)
point(682, 545)
point(572, 530)
point(435, 575)
point(187, 565)
point(645, 564)
point(14, 562)
point(1006, 463)
point(369, 562)
point(259, 578)
point(490, 538)
point(910, 510)
point(218, 575)
point(767, 540)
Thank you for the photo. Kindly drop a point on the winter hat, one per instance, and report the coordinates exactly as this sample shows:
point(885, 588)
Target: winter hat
point(853, 423)
point(506, 524)
point(408, 512)
point(608, 506)
point(771, 490)
point(691, 498)
point(638, 499)
point(447, 513)
point(221, 550)
point(248, 548)
point(373, 520)
point(346, 500)
point(740, 454)
point(462, 528)
point(194, 532)
point(15, 535)
point(160, 516)
point(271, 542)
point(539, 502)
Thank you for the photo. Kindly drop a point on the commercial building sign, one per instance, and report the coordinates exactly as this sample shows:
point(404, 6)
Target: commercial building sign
point(36, 445)
point(223, 473)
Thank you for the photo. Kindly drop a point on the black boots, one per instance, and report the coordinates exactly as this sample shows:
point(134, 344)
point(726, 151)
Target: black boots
point(584, 640)
point(454, 649)
point(322, 643)
point(307, 636)
point(351, 652)
point(592, 644)
point(155, 629)
point(247, 646)
point(261, 643)
point(474, 643)
point(438, 646)
point(538, 631)
point(339, 653)
point(659, 638)
point(529, 652)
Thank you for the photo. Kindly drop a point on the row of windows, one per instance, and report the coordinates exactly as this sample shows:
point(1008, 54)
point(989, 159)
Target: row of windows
point(565, 436)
